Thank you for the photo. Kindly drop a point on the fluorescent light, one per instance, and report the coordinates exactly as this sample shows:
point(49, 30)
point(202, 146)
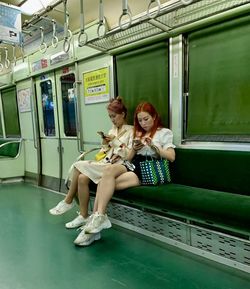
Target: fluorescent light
point(31, 7)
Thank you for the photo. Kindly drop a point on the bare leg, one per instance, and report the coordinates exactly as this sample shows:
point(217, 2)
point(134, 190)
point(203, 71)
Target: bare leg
point(126, 180)
point(83, 194)
point(106, 187)
point(114, 177)
point(67, 204)
point(73, 187)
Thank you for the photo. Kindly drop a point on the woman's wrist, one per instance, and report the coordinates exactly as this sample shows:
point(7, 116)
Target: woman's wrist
point(156, 149)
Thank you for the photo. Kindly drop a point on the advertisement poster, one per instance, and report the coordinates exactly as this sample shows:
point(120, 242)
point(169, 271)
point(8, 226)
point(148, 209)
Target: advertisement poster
point(96, 85)
point(23, 97)
point(10, 24)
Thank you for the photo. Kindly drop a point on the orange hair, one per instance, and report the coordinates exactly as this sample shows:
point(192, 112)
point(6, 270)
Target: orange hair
point(116, 105)
point(149, 108)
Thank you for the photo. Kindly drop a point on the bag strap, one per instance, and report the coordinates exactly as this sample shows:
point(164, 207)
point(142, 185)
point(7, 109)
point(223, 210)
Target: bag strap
point(121, 133)
point(81, 156)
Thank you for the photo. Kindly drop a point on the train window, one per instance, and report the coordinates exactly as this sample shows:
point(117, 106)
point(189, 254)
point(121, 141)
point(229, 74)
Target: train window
point(69, 104)
point(142, 75)
point(10, 112)
point(218, 101)
point(48, 108)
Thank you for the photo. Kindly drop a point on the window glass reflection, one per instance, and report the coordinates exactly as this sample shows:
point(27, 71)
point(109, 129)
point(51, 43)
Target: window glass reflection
point(68, 102)
point(48, 108)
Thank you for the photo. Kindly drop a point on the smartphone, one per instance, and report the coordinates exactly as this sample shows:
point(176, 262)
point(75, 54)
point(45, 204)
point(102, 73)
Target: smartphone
point(101, 133)
point(136, 141)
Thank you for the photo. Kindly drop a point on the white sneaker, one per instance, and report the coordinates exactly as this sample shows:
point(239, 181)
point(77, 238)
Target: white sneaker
point(84, 239)
point(61, 208)
point(97, 223)
point(77, 222)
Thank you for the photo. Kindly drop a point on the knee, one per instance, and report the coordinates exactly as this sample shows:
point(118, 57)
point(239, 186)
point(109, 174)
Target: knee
point(83, 180)
point(109, 171)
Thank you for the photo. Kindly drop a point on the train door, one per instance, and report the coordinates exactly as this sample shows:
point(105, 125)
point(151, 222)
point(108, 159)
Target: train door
point(56, 105)
point(67, 115)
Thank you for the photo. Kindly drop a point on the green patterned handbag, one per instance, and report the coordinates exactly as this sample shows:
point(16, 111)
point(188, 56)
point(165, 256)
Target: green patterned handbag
point(155, 172)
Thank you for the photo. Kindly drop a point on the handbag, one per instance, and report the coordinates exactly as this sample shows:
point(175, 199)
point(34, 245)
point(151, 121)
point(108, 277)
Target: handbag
point(155, 172)
point(100, 155)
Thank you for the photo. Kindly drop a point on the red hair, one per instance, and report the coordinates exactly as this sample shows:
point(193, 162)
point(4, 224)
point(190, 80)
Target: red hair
point(149, 108)
point(116, 105)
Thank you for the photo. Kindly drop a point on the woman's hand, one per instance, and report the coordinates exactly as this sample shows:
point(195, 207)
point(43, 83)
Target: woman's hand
point(148, 141)
point(137, 144)
point(108, 138)
point(114, 159)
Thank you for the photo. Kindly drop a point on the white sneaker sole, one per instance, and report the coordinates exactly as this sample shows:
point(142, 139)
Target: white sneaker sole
point(105, 225)
point(96, 237)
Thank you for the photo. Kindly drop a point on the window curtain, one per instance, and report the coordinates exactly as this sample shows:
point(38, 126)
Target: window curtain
point(142, 75)
point(219, 81)
point(10, 112)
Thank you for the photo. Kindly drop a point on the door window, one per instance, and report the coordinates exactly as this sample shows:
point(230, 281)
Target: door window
point(69, 104)
point(48, 108)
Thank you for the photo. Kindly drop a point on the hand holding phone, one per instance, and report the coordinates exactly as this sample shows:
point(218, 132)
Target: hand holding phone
point(101, 133)
point(137, 144)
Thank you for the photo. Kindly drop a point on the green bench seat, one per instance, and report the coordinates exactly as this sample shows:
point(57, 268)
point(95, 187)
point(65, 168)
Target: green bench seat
point(9, 148)
point(208, 186)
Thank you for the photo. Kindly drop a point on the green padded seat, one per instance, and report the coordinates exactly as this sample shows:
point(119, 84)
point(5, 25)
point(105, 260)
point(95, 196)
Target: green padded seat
point(209, 206)
point(209, 186)
point(9, 150)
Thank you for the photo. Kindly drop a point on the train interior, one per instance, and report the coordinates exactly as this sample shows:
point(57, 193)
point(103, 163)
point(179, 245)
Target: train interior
point(60, 64)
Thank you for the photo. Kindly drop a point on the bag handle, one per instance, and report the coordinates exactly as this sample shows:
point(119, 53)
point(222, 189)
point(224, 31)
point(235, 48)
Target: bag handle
point(157, 150)
point(81, 156)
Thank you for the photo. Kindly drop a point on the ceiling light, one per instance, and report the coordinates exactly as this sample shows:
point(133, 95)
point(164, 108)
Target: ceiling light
point(31, 7)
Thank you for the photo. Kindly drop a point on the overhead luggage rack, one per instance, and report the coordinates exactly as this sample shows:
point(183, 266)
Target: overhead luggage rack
point(171, 17)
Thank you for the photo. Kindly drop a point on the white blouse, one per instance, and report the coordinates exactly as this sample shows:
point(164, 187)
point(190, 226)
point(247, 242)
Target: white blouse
point(163, 138)
point(122, 143)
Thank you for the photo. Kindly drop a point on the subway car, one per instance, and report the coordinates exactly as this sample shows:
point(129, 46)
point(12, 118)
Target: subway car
point(61, 65)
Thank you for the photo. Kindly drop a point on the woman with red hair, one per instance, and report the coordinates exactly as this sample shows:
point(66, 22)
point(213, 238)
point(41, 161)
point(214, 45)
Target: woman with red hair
point(150, 139)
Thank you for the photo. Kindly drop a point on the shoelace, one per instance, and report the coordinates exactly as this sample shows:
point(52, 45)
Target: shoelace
point(81, 228)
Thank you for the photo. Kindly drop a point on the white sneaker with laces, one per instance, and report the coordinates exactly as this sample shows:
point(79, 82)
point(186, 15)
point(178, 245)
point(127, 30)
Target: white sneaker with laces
point(97, 223)
point(77, 222)
point(84, 239)
point(61, 208)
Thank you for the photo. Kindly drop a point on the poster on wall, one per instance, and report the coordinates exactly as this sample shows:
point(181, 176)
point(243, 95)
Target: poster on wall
point(10, 24)
point(23, 97)
point(96, 85)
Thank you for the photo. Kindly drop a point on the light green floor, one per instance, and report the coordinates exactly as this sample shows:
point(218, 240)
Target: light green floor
point(36, 252)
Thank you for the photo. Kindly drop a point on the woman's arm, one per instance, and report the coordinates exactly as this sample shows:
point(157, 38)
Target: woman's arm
point(131, 154)
point(168, 154)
